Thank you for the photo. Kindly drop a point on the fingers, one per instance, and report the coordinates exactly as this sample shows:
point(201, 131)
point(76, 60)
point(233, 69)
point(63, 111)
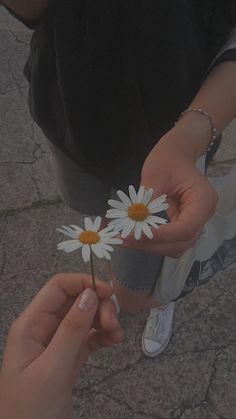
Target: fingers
point(186, 227)
point(110, 332)
point(62, 288)
point(175, 238)
point(109, 322)
point(74, 338)
point(72, 333)
point(174, 250)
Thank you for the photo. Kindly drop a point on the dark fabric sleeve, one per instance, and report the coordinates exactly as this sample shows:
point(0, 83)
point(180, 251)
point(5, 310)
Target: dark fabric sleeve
point(229, 55)
point(30, 24)
point(226, 53)
point(223, 23)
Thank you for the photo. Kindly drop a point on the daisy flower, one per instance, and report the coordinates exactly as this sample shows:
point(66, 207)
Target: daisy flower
point(90, 239)
point(136, 212)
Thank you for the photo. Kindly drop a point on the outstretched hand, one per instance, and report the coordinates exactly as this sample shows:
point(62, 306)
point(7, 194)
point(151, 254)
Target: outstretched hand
point(170, 170)
point(50, 341)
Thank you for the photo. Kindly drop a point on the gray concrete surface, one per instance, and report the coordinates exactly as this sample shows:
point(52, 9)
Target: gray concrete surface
point(195, 377)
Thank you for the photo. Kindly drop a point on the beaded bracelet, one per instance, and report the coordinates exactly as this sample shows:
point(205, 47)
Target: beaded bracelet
point(213, 129)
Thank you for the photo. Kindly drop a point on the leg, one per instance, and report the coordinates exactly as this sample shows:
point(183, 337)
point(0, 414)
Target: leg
point(132, 301)
point(133, 274)
point(136, 273)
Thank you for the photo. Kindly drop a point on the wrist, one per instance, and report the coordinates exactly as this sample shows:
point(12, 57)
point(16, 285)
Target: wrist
point(192, 134)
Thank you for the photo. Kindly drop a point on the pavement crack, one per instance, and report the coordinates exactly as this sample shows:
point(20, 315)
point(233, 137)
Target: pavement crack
point(212, 378)
point(200, 313)
point(16, 82)
point(29, 162)
point(17, 39)
point(42, 203)
point(124, 403)
point(3, 263)
point(200, 351)
point(113, 373)
point(34, 180)
point(38, 151)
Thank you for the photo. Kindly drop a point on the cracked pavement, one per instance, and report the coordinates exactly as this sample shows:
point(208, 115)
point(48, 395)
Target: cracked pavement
point(195, 378)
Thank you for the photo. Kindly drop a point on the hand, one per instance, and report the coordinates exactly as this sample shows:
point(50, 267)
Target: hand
point(170, 169)
point(48, 344)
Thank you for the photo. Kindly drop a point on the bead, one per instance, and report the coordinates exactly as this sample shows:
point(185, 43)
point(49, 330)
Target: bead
point(213, 129)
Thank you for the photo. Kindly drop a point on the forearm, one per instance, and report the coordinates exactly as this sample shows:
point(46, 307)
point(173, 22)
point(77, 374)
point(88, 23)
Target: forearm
point(28, 9)
point(217, 97)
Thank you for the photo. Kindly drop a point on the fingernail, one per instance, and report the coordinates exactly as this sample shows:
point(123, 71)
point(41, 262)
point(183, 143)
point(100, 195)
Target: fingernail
point(87, 299)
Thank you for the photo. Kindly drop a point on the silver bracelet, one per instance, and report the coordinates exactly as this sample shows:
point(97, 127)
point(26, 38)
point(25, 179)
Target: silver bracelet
point(213, 129)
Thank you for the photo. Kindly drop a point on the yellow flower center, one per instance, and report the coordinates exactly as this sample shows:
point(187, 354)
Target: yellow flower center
point(89, 237)
point(138, 212)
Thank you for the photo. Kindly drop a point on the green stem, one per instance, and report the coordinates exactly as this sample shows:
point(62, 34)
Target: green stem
point(92, 269)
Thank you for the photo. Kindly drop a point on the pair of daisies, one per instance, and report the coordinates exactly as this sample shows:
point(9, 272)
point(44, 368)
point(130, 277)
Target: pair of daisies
point(133, 213)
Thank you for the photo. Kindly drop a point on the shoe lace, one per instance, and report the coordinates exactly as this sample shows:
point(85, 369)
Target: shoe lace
point(156, 327)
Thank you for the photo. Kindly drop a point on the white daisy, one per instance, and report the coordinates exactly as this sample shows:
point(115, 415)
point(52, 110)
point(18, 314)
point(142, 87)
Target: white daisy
point(89, 239)
point(135, 212)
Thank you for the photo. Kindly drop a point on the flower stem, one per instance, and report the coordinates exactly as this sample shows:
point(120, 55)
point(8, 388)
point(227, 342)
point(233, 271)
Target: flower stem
point(92, 270)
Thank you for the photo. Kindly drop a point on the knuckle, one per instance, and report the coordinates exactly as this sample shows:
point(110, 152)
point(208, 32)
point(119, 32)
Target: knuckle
point(57, 277)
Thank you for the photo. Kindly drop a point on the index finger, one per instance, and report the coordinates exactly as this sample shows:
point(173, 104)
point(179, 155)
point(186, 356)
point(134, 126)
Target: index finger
point(186, 227)
point(62, 289)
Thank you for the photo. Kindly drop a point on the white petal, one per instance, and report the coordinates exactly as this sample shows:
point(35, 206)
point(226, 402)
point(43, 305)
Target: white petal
point(138, 230)
point(147, 196)
point(147, 231)
point(105, 230)
point(153, 220)
point(69, 245)
point(160, 206)
point(159, 200)
point(112, 233)
point(86, 253)
point(141, 193)
point(88, 224)
point(132, 194)
point(105, 246)
point(124, 198)
point(97, 249)
point(119, 226)
point(66, 228)
point(115, 213)
point(97, 223)
point(127, 228)
point(77, 228)
point(115, 222)
point(157, 208)
point(68, 242)
point(70, 233)
point(113, 241)
point(117, 204)
point(106, 255)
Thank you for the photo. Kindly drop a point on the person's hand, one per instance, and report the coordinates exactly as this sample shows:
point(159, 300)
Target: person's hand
point(170, 169)
point(50, 341)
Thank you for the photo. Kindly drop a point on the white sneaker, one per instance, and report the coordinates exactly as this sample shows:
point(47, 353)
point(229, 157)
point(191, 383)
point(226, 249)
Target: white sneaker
point(158, 330)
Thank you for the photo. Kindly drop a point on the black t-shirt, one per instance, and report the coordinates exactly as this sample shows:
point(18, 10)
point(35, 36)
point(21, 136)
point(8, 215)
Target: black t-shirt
point(109, 77)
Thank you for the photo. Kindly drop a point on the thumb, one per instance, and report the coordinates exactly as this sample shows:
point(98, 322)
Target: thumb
point(72, 332)
point(159, 181)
